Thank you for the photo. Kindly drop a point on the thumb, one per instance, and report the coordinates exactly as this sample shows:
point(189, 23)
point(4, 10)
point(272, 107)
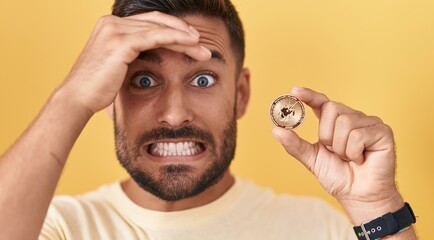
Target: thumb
point(297, 147)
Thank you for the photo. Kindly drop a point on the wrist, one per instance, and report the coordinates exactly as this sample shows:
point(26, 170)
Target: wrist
point(361, 212)
point(68, 100)
point(65, 115)
point(397, 225)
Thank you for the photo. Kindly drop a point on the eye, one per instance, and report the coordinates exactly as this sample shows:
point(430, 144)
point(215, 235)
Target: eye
point(143, 81)
point(204, 80)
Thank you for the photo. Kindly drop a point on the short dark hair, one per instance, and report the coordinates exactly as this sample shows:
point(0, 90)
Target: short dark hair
point(222, 9)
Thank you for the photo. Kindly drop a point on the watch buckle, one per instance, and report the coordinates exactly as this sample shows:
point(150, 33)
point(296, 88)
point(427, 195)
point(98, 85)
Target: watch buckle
point(365, 232)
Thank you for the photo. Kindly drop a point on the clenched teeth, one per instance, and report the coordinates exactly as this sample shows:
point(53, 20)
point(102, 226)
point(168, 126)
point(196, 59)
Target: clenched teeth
point(176, 149)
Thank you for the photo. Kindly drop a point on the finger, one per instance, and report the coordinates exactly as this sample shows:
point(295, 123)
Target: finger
point(197, 52)
point(115, 24)
point(326, 110)
point(111, 29)
point(167, 38)
point(129, 35)
point(296, 146)
point(330, 112)
point(345, 124)
point(121, 23)
point(166, 19)
point(363, 141)
point(313, 99)
point(163, 35)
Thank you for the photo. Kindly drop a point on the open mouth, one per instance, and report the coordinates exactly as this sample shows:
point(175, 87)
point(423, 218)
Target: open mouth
point(164, 149)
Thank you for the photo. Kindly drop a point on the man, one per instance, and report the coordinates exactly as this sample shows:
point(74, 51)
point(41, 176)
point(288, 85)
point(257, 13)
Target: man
point(172, 72)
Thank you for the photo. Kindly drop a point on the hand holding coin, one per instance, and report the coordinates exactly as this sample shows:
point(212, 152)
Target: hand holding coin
point(354, 155)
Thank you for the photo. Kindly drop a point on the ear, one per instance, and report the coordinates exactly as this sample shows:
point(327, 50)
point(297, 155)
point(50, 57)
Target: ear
point(243, 92)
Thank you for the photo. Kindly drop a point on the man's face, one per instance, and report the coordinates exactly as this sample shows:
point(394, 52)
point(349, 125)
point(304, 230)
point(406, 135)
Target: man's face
point(175, 118)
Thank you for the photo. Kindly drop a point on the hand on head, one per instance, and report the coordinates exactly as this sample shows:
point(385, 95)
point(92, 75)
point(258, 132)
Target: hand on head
point(115, 42)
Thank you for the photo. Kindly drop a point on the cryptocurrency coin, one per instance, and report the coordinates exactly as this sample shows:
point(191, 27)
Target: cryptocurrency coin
point(287, 112)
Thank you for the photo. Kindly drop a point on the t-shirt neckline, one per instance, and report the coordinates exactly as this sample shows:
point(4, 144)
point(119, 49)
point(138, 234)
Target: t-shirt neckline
point(147, 218)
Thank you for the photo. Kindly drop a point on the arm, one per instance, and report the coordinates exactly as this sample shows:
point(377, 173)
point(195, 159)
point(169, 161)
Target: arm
point(30, 169)
point(354, 159)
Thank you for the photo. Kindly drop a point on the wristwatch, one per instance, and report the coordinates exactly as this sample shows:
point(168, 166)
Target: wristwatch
point(387, 224)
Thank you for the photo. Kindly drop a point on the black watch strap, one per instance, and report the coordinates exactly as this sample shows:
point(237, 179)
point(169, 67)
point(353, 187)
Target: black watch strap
point(387, 224)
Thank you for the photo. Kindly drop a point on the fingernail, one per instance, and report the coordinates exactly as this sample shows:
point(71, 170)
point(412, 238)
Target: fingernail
point(194, 31)
point(275, 134)
point(297, 89)
point(206, 49)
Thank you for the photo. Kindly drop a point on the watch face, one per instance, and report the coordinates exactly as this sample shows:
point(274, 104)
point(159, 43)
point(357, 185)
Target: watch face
point(287, 112)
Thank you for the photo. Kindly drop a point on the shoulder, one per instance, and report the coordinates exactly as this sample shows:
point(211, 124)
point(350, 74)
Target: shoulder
point(283, 213)
point(68, 215)
point(86, 204)
point(266, 198)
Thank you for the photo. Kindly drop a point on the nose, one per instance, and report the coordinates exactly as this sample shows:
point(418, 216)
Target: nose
point(174, 110)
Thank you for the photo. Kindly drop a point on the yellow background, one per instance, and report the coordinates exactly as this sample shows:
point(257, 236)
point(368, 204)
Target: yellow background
point(376, 56)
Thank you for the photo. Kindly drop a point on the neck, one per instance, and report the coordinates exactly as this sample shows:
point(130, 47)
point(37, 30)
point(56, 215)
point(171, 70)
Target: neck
point(151, 202)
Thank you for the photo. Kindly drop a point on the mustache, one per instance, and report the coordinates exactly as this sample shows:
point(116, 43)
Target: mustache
point(163, 133)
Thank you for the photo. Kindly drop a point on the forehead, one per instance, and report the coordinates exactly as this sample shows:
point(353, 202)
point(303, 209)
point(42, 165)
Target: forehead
point(213, 34)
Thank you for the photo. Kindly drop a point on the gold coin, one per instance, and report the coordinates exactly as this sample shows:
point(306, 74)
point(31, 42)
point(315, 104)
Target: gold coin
point(287, 112)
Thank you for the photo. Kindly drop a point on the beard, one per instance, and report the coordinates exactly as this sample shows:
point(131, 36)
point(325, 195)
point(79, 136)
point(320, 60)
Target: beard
point(173, 182)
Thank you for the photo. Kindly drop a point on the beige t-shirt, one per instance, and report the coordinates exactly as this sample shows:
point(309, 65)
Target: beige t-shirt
point(245, 211)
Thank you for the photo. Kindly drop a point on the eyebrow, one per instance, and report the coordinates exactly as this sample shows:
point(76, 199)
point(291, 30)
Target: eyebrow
point(150, 57)
point(218, 56)
point(156, 59)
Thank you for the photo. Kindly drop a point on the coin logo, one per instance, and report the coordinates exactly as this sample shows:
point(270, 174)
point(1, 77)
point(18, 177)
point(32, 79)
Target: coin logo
point(287, 112)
